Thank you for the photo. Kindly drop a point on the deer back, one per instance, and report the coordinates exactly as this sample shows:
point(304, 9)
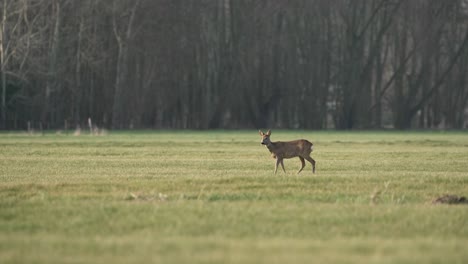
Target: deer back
point(291, 149)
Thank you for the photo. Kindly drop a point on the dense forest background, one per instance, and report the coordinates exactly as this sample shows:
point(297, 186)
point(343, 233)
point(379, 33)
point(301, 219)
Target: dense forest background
point(202, 64)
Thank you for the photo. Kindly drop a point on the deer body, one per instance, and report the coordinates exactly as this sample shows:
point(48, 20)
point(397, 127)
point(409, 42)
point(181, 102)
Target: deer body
point(285, 150)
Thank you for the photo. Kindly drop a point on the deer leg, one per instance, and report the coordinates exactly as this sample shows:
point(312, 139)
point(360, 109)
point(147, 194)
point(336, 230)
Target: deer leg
point(312, 161)
point(282, 165)
point(303, 164)
point(276, 165)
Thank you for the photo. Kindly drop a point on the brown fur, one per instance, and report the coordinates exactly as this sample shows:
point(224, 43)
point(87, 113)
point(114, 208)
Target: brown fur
point(450, 199)
point(285, 150)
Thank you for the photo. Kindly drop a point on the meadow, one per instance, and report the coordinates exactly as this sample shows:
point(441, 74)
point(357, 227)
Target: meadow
point(212, 197)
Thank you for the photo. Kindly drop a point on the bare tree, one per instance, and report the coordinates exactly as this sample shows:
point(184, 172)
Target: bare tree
point(3, 52)
point(123, 31)
point(234, 63)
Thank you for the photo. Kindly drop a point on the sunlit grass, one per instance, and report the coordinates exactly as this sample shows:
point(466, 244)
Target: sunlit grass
point(212, 197)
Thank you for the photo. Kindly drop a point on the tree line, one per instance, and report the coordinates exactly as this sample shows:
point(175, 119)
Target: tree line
point(206, 64)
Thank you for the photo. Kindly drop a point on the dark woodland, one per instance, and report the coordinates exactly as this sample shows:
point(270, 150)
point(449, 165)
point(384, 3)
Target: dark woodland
point(228, 64)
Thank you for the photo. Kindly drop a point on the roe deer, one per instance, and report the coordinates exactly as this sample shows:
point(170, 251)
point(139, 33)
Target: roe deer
point(285, 150)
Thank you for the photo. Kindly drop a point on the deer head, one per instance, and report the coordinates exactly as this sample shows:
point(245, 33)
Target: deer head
point(265, 137)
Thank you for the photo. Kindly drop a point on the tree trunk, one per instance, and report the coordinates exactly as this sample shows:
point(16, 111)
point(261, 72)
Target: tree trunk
point(3, 66)
point(118, 108)
point(51, 83)
point(78, 89)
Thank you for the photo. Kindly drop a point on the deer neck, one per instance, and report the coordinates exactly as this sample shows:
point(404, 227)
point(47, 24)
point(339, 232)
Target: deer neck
point(271, 147)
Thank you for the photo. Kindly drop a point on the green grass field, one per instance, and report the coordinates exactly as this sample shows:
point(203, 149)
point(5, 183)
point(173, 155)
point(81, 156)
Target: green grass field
point(212, 197)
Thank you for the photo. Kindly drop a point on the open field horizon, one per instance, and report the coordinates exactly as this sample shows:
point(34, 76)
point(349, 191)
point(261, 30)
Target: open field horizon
point(211, 197)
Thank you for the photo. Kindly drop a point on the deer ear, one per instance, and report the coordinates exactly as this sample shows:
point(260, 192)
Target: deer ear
point(260, 132)
point(268, 132)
